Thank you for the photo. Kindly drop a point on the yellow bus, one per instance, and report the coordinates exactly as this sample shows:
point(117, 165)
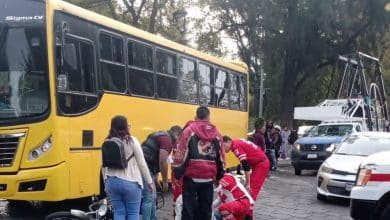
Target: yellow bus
point(66, 71)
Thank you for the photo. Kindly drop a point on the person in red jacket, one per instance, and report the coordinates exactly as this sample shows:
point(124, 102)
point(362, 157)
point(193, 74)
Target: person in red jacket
point(177, 184)
point(233, 201)
point(199, 159)
point(252, 158)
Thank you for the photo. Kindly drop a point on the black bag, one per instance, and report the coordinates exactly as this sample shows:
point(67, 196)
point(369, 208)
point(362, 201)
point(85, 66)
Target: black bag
point(113, 154)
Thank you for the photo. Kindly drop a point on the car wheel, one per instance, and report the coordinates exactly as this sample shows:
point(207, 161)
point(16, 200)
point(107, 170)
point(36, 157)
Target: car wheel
point(298, 172)
point(321, 197)
point(385, 215)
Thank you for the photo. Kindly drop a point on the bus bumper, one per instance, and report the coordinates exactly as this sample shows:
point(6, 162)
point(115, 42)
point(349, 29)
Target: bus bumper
point(40, 184)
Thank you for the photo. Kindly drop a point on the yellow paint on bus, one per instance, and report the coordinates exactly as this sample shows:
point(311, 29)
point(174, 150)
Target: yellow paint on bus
point(70, 170)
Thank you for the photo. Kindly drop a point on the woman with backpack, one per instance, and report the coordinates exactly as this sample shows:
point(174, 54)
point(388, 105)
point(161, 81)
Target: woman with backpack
point(124, 184)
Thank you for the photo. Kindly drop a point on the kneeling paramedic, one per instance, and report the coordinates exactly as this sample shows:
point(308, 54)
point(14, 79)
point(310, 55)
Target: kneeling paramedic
point(233, 201)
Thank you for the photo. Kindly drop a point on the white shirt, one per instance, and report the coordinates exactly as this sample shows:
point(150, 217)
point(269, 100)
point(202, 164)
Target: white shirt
point(136, 167)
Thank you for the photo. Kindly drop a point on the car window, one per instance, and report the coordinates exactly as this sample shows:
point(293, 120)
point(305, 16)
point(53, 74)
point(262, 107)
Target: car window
point(333, 130)
point(361, 145)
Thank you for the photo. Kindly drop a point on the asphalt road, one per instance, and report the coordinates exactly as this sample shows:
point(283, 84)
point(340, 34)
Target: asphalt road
point(284, 196)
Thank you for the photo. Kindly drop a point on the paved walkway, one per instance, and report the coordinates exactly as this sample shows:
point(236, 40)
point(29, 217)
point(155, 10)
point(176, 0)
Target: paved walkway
point(287, 197)
point(284, 197)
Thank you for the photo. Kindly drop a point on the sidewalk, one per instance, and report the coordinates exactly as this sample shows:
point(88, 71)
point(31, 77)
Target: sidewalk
point(284, 163)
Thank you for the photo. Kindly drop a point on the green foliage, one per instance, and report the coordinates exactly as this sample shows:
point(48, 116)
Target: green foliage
point(297, 42)
point(153, 16)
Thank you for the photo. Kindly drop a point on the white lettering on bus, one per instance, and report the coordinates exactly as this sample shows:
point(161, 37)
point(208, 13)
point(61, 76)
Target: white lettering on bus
point(23, 18)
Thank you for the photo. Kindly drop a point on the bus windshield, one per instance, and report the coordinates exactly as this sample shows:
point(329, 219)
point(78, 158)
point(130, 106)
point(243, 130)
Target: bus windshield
point(24, 86)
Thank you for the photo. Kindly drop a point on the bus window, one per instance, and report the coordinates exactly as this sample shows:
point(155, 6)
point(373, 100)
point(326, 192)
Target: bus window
point(187, 87)
point(206, 75)
point(206, 91)
point(117, 50)
point(113, 76)
point(234, 92)
point(81, 79)
point(140, 56)
point(141, 69)
point(243, 93)
point(80, 95)
point(166, 76)
point(222, 85)
point(105, 47)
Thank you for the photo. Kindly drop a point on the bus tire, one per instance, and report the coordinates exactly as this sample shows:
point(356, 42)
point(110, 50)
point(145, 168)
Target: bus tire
point(297, 172)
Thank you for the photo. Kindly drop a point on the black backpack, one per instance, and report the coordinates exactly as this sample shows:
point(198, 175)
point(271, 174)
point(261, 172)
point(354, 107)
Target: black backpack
point(113, 154)
point(151, 150)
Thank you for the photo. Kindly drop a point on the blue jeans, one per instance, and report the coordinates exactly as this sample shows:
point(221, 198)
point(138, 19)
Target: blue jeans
point(272, 157)
point(125, 197)
point(148, 208)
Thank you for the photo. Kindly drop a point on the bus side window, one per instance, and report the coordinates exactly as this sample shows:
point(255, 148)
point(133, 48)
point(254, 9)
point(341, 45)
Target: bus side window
point(112, 68)
point(166, 76)
point(187, 83)
point(222, 85)
point(80, 95)
point(206, 82)
point(234, 92)
point(81, 79)
point(141, 69)
point(243, 93)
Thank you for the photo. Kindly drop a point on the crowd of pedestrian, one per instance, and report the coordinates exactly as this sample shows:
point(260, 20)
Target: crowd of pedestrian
point(276, 141)
point(202, 189)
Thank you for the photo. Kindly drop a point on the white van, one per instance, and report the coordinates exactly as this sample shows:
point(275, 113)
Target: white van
point(370, 198)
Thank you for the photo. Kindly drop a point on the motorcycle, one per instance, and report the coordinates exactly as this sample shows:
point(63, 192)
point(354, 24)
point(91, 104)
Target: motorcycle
point(99, 209)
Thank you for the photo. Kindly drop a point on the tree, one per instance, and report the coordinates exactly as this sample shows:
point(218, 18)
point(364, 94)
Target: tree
point(296, 41)
point(153, 16)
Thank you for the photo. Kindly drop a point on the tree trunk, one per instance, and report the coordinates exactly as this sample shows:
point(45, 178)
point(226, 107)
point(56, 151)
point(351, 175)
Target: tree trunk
point(288, 91)
point(290, 68)
point(153, 16)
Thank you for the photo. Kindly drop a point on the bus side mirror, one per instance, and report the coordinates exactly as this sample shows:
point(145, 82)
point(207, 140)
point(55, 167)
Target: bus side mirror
point(70, 56)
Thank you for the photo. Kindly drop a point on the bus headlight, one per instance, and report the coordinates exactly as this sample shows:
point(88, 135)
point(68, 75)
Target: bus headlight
point(37, 152)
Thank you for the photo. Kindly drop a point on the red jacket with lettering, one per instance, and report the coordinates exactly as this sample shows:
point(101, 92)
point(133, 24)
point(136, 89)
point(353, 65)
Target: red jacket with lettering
point(200, 152)
point(230, 189)
point(246, 150)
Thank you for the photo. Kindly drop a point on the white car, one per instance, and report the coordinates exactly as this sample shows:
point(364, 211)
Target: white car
point(370, 198)
point(337, 175)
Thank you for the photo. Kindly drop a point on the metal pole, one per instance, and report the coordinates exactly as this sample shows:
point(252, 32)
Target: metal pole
point(261, 93)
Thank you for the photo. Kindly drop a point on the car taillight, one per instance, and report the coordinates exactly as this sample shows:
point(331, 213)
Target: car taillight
point(363, 177)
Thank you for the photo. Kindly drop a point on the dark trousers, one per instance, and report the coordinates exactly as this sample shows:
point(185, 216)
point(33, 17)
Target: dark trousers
point(197, 200)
